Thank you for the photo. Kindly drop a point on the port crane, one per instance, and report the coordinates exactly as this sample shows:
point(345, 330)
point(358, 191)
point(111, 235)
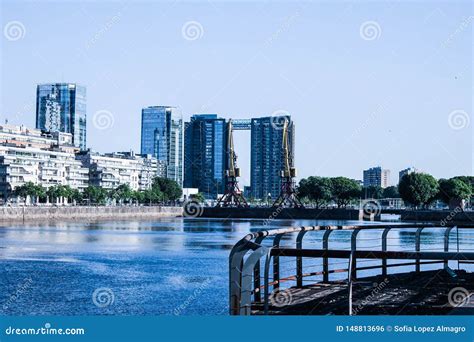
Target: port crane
point(233, 196)
point(288, 195)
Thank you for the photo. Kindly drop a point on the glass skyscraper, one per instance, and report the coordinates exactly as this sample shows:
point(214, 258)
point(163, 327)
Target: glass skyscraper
point(162, 137)
point(204, 156)
point(61, 107)
point(266, 158)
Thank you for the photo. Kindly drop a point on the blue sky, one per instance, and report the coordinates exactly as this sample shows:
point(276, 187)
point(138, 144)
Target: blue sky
point(367, 83)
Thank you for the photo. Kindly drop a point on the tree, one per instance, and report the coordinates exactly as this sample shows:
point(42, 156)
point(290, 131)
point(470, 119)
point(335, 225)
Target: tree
point(344, 190)
point(169, 189)
point(76, 196)
point(122, 193)
point(454, 191)
point(199, 197)
point(316, 189)
point(372, 192)
point(418, 189)
point(391, 192)
point(95, 194)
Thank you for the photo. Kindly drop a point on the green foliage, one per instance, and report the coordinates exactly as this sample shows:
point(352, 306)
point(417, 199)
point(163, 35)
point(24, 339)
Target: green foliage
point(95, 195)
point(199, 197)
point(418, 189)
point(391, 192)
point(454, 189)
point(167, 188)
point(122, 193)
point(372, 192)
point(316, 189)
point(344, 190)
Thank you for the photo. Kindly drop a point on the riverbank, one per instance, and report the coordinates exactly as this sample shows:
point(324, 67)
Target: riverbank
point(289, 213)
point(444, 217)
point(8, 214)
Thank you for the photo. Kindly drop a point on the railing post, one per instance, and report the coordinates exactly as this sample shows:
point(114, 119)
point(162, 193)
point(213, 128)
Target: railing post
point(326, 234)
point(350, 277)
point(276, 263)
point(384, 249)
point(256, 274)
point(446, 243)
point(353, 249)
point(235, 276)
point(266, 293)
point(418, 247)
point(247, 283)
point(299, 259)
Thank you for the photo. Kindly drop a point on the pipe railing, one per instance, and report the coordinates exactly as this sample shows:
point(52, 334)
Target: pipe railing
point(246, 256)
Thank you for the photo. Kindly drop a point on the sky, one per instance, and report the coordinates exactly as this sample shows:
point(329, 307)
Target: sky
point(366, 83)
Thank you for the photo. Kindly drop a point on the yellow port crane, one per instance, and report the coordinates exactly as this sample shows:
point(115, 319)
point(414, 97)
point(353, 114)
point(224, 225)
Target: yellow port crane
point(288, 196)
point(232, 197)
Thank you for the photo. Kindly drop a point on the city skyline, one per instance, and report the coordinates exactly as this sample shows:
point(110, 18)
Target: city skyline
point(350, 110)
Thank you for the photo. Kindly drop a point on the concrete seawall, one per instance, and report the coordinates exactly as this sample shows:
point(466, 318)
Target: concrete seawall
point(440, 216)
point(85, 213)
point(285, 213)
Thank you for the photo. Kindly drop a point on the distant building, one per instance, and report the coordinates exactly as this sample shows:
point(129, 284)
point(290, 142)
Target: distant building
point(188, 193)
point(376, 176)
point(204, 157)
point(162, 137)
point(406, 171)
point(61, 107)
point(109, 170)
point(48, 159)
point(266, 159)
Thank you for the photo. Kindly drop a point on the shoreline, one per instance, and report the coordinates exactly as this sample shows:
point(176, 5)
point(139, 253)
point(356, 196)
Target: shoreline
point(85, 214)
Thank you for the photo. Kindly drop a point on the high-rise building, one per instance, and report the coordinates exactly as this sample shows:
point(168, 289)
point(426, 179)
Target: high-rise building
point(266, 159)
point(406, 171)
point(204, 157)
point(162, 137)
point(61, 107)
point(376, 176)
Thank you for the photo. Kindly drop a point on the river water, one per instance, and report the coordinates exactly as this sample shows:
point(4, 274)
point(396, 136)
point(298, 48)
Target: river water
point(169, 266)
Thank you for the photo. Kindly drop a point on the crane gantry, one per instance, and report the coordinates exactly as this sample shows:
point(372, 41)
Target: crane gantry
point(232, 197)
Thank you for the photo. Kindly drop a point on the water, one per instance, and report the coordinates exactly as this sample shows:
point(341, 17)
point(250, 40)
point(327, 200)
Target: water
point(163, 267)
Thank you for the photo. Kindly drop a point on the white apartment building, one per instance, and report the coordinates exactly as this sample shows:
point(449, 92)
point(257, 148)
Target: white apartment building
point(113, 169)
point(28, 155)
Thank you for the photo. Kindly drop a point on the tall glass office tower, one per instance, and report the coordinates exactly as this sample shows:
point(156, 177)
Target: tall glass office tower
point(62, 107)
point(162, 137)
point(204, 154)
point(266, 158)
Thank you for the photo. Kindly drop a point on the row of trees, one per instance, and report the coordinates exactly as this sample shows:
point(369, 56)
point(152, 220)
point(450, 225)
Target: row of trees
point(416, 190)
point(162, 190)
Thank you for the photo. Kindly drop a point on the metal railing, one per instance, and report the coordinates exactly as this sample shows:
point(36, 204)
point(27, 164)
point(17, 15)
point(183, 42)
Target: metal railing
point(245, 287)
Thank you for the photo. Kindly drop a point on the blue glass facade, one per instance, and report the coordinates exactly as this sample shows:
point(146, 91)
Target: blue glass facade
point(266, 159)
point(62, 107)
point(204, 158)
point(162, 137)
